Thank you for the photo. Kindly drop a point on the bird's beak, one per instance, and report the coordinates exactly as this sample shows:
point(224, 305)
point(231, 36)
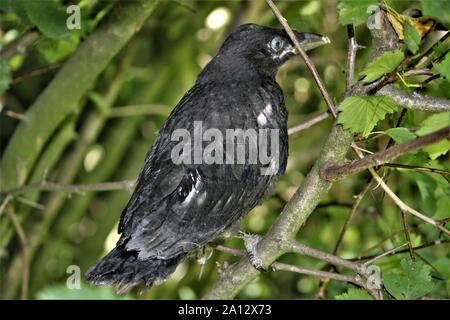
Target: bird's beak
point(310, 41)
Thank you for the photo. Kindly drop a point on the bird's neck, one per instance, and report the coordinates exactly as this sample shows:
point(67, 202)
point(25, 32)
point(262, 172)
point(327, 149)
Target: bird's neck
point(225, 69)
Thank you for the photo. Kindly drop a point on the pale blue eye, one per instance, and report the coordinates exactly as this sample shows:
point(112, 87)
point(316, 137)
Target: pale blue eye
point(276, 44)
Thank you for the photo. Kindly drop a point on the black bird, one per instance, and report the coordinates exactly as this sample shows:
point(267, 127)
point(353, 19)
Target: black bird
point(177, 208)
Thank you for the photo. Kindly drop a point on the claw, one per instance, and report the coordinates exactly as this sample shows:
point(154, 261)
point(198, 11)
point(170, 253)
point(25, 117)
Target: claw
point(251, 242)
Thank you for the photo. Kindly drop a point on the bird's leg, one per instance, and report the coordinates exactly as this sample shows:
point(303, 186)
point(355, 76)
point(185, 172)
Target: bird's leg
point(251, 243)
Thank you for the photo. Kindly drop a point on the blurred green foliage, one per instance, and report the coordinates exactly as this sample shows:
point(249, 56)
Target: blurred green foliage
point(108, 132)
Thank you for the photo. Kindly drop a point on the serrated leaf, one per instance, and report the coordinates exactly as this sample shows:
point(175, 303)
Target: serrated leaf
point(355, 11)
point(438, 9)
point(412, 38)
point(443, 67)
point(5, 76)
point(433, 123)
point(413, 282)
point(354, 294)
point(385, 63)
point(361, 114)
point(49, 17)
point(400, 134)
point(437, 149)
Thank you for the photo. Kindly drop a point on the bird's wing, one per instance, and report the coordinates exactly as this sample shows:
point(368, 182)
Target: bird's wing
point(178, 208)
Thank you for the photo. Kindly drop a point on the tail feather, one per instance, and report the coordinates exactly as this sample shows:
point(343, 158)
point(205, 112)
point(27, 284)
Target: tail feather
point(123, 269)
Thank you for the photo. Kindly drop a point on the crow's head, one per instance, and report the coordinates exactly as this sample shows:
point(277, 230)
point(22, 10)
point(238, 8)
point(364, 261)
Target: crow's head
point(262, 48)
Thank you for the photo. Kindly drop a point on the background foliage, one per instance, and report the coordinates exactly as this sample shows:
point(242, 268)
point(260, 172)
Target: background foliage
point(106, 134)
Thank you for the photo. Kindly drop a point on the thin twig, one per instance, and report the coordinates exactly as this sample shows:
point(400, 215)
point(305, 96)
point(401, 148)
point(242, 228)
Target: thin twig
point(304, 56)
point(398, 250)
point(418, 72)
point(407, 236)
point(139, 110)
point(415, 168)
point(5, 202)
point(25, 259)
point(379, 158)
point(15, 115)
point(317, 273)
point(75, 188)
point(323, 256)
point(350, 215)
point(36, 72)
point(403, 206)
point(19, 45)
point(384, 254)
point(30, 203)
point(308, 123)
point(353, 47)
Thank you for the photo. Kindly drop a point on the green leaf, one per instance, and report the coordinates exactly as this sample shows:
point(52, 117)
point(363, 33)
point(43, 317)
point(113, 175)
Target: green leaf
point(439, 49)
point(5, 76)
point(54, 51)
point(437, 149)
point(412, 37)
point(49, 16)
point(354, 294)
point(355, 11)
point(432, 123)
point(443, 67)
point(414, 281)
point(385, 63)
point(437, 9)
point(400, 134)
point(361, 114)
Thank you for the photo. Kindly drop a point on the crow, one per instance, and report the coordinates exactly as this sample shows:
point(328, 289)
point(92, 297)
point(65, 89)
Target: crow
point(184, 199)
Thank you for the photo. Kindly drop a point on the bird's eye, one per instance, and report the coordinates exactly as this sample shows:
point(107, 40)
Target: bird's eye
point(276, 44)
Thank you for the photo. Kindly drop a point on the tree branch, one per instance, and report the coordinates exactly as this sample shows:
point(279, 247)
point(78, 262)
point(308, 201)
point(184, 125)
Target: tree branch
point(415, 168)
point(353, 47)
point(308, 123)
point(294, 246)
point(355, 279)
point(379, 158)
point(398, 250)
point(415, 101)
point(73, 188)
point(19, 45)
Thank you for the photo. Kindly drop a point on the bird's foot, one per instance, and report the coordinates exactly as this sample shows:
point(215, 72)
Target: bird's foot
point(251, 242)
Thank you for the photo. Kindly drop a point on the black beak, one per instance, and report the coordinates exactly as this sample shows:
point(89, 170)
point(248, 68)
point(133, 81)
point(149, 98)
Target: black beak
point(310, 41)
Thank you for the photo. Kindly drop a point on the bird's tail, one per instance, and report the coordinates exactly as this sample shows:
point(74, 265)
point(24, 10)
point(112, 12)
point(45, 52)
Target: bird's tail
point(123, 269)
